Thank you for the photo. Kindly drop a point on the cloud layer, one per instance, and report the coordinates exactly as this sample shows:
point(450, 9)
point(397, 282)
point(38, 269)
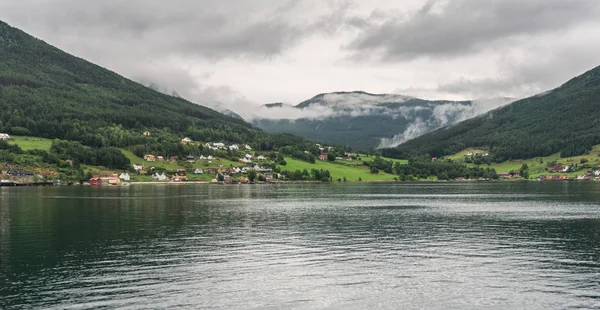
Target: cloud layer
point(239, 54)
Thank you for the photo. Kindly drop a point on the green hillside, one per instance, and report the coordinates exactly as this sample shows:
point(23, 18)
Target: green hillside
point(564, 120)
point(45, 92)
point(539, 165)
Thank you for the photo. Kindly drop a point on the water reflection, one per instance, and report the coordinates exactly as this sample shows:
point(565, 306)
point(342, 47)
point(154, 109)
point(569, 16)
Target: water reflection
point(435, 245)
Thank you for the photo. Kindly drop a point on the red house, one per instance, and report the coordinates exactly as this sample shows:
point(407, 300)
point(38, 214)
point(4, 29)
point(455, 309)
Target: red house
point(556, 169)
point(95, 181)
point(173, 159)
point(323, 156)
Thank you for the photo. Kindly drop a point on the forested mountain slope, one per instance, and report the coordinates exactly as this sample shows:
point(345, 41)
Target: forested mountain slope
point(364, 121)
point(565, 120)
point(48, 93)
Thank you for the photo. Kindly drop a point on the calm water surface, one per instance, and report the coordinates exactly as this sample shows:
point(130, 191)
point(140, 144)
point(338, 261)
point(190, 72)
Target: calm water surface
point(357, 246)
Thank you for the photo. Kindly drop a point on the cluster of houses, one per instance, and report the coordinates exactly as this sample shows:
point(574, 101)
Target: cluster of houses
point(477, 154)
point(221, 146)
point(105, 179)
point(247, 159)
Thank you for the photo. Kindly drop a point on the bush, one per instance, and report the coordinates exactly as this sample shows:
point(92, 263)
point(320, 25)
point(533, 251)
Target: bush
point(374, 170)
point(583, 160)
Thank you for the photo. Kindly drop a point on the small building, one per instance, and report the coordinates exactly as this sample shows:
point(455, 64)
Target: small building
point(234, 147)
point(138, 167)
point(4, 136)
point(433, 158)
point(260, 157)
point(198, 171)
point(190, 159)
point(146, 133)
point(114, 180)
point(186, 140)
point(125, 176)
point(160, 158)
point(247, 147)
point(178, 178)
point(95, 181)
point(149, 157)
point(160, 176)
point(556, 169)
point(504, 175)
point(323, 156)
point(173, 159)
point(244, 180)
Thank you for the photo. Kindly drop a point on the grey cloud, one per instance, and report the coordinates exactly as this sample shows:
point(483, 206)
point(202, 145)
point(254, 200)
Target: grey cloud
point(458, 27)
point(549, 70)
point(443, 115)
point(210, 28)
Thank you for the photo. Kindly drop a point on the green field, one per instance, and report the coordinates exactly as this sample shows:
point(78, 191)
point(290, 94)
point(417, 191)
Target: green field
point(538, 165)
point(339, 169)
point(31, 143)
point(371, 158)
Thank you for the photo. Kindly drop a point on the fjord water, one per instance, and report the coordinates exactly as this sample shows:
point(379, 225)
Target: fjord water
point(353, 246)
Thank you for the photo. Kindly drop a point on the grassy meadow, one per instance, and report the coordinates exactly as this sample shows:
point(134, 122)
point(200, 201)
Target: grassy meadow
point(31, 143)
point(352, 170)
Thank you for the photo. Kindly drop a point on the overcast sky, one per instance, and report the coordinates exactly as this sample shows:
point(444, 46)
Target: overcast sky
point(247, 52)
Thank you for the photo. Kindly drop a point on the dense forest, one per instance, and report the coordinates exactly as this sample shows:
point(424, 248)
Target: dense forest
point(564, 120)
point(48, 93)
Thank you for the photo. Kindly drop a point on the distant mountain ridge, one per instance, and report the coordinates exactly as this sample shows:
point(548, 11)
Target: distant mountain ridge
point(363, 120)
point(565, 119)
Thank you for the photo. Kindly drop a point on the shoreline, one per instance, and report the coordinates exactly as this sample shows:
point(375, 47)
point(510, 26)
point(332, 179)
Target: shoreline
point(123, 184)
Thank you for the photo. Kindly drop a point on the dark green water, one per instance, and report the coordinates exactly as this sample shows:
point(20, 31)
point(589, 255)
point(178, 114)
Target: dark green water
point(435, 246)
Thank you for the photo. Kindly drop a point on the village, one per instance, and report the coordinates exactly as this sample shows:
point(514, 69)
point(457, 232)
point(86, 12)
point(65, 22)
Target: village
point(241, 165)
point(249, 167)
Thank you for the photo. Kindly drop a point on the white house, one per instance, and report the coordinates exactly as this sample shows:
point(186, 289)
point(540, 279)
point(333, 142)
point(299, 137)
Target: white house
point(201, 157)
point(596, 172)
point(234, 147)
point(186, 140)
point(260, 157)
point(198, 171)
point(248, 156)
point(209, 157)
point(4, 136)
point(219, 145)
point(125, 176)
point(137, 167)
point(248, 147)
point(160, 176)
point(245, 160)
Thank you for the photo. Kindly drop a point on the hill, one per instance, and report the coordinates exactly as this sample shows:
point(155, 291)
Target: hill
point(363, 121)
point(45, 92)
point(564, 120)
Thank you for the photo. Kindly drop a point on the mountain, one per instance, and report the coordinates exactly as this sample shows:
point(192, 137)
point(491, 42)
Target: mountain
point(48, 93)
point(363, 120)
point(565, 120)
